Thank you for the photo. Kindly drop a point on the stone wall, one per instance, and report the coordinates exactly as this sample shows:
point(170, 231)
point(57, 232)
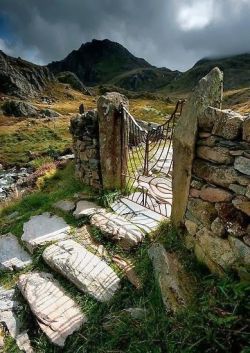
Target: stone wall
point(217, 217)
point(85, 133)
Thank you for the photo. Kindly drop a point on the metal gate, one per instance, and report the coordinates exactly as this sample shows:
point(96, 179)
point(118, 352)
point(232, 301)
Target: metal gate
point(147, 161)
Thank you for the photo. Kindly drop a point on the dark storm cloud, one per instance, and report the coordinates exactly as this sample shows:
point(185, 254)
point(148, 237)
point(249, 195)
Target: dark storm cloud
point(171, 33)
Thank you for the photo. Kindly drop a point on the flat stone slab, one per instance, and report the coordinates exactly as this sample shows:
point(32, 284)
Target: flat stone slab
point(65, 205)
point(8, 305)
point(142, 217)
point(85, 208)
point(56, 313)
point(118, 228)
point(87, 271)
point(44, 228)
point(175, 283)
point(12, 255)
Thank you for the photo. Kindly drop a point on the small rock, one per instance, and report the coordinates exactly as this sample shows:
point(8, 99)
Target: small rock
point(66, 157)
point(213, 194)
point(44, 228)
point(246, 129)
point(242, 204)
point(204, 211)
point(56, 313)
point(197, 184)
point(238, 189)
point(194, 192)
point(65, 205)
point(191, 227)
point(85, 208)
point(217, 227)
point(49, 113)
point(136, 313)
point(242, 164)
point(12, 255)
point(87, 271)
point(175, 284)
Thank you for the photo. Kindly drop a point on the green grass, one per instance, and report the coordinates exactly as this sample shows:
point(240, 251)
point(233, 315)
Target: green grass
point(216, 321)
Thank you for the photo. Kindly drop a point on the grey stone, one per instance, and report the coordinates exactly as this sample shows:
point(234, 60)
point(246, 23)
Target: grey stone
point(215, 252)
point(65, 205)
point(218, 155)
point(238, 189)
point(228, 124)
point(242, 164)
point(242, 251)
point(191, 227)
point(243, 204)
point(217, 227)
point(49, 113)
point(248, 191)
point(19, 109)
point(44, 228)
point(207, 119)
point(85, 208)
point(204, 211)
point(218, 175)
point(56, 313)
point(246, 129)
point(87, 271)
point(12, 255)
point(207, 93)
point(175, 284)
point(118, 228)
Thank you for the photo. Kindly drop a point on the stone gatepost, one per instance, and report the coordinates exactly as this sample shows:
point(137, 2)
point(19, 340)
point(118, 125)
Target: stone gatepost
point(207, 93)
point(113, 140)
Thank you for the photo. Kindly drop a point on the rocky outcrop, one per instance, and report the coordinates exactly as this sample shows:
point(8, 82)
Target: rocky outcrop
point(19, 109)
point(21, 78)
point(71, 79)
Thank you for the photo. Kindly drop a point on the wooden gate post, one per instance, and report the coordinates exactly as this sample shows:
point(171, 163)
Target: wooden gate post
point(113, 139)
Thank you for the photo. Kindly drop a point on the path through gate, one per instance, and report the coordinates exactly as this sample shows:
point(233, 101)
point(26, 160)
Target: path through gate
point(147, 175)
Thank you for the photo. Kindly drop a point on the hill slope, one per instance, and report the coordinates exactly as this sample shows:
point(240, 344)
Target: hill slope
point(21, 78)
point(236, 73)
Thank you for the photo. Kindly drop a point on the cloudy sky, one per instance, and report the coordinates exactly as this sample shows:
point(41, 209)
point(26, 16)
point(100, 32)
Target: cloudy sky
point(170, 33)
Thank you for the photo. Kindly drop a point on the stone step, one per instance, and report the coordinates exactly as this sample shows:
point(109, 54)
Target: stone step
point(87, 271)
point(12, 255)
point(118, 229)
point(56, 313)
point(44, 228)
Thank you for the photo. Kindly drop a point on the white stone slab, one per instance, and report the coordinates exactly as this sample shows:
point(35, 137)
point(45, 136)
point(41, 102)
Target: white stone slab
point(87, 271)
point(56, 313)
point(44, 228)
point(147, 220)
point(118, 228)
point(85, 208)
point(12, 255)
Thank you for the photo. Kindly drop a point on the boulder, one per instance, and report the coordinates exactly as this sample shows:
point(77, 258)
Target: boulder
point(242, 164)
point(246, 129)
point(213, 194)
point(71, 79)
point(44, 228)
point(12, 255)
point(207, 93)
point(203, 211)
point(87, 271)
point(228, 124)
point(175, 283)
point(49, 113)
point(19, 109)
point(215, 252)
point(218, 175)
point(218, 155)
point(118, 229)
point(56, 313)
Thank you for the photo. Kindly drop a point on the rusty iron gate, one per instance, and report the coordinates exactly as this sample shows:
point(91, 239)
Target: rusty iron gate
point(147, 161)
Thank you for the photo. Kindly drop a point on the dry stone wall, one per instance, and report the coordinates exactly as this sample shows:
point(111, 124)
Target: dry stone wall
point(85, 132)
point(217, 216)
